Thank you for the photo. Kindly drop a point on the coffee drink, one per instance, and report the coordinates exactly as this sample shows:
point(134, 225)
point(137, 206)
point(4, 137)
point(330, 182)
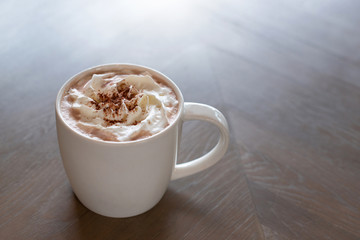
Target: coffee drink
point(119, 106)
point(119, 128)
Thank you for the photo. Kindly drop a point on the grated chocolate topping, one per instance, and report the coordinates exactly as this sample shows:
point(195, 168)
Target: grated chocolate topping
point(111, 103)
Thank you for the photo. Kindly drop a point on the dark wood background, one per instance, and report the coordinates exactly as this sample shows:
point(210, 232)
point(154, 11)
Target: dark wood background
point(285, 73)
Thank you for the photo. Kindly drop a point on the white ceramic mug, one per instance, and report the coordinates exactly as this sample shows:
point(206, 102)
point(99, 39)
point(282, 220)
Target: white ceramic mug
point(123, 179)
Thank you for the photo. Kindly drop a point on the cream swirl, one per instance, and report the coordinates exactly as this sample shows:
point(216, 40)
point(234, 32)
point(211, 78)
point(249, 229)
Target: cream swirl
point(121, 107)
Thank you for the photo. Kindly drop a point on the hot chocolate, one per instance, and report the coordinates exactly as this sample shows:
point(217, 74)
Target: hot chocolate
point(119, 106)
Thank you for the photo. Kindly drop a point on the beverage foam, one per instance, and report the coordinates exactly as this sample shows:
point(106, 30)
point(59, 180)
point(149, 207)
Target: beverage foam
point(116, 107)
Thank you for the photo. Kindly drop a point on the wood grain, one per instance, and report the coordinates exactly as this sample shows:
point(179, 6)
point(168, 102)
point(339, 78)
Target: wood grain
point(286, 74)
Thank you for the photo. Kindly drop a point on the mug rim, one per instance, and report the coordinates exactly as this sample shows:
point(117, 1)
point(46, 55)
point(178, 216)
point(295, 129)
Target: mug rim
point(114, 65)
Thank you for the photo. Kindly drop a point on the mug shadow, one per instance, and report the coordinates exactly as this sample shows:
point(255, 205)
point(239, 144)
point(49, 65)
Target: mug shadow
point(163, 220)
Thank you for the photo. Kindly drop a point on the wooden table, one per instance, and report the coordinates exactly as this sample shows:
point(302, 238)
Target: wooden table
point(286, 74)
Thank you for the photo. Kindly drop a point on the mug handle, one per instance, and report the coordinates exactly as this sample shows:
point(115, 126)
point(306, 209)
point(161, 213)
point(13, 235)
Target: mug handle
point(197, 111)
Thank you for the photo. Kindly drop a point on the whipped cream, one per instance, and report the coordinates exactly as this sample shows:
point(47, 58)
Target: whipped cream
point(115, 107)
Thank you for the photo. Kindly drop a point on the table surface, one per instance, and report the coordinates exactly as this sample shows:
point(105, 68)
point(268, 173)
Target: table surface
point(286, 74)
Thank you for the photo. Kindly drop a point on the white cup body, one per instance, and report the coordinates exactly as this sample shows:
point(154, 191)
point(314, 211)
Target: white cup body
point(118, 179)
